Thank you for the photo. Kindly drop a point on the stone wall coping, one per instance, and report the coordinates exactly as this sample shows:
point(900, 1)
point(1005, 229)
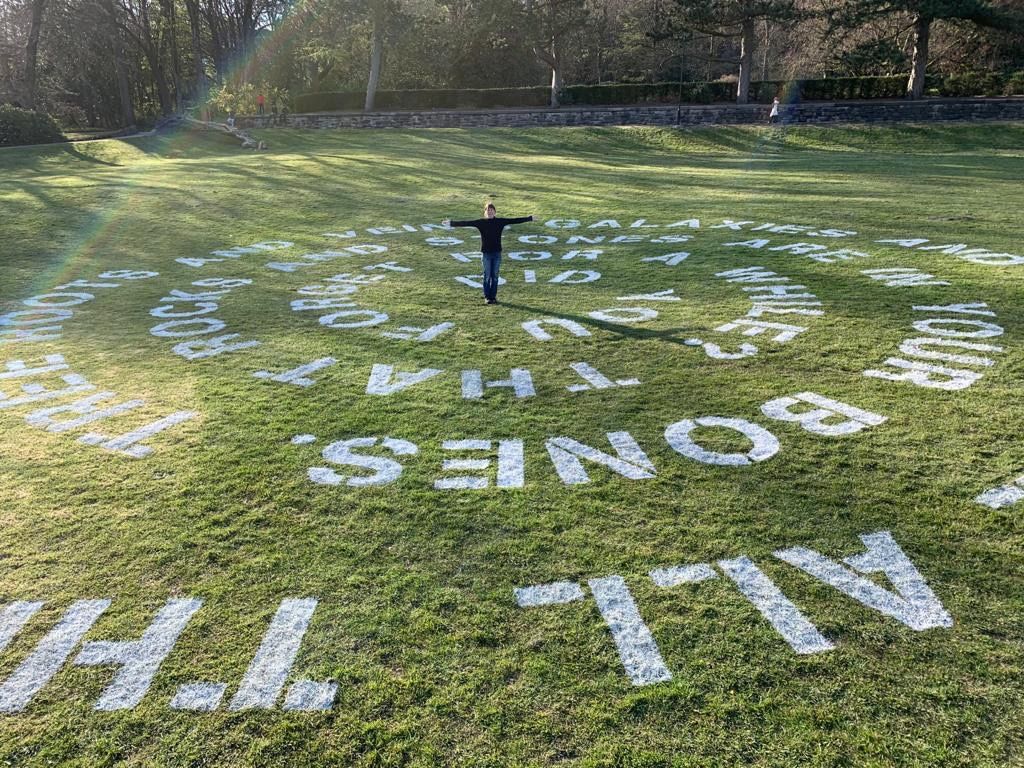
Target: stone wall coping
point(653, 107)
point(851, 112)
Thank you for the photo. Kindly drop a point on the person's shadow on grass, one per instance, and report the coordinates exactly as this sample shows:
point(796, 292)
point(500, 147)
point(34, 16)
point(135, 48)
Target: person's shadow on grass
point(672, 335)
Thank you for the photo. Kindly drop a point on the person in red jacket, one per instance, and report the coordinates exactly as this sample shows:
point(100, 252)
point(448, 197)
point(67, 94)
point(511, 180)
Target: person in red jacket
point(260, 101)
point(490, 228)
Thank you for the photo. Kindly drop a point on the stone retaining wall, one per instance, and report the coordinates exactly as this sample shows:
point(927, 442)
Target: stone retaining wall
point(718, 114)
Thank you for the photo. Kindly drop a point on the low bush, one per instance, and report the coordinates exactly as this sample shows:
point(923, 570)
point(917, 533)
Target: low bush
point(23, 126)
point(1014, 84)
point(973, 84)
point(241, 99)
point(70, 117)
point(649, 93)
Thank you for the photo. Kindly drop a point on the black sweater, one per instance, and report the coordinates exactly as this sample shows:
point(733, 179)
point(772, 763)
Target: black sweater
point(490, 230)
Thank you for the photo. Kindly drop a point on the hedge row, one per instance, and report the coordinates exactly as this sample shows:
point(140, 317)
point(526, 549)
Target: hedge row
point(23, 126)
point(336, 101)
point(823, 89)
point(982, 84)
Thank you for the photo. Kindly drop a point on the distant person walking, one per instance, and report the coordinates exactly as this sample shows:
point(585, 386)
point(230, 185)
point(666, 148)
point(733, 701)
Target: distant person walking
point(260, 101)
point(490, 228)
point(773, 116)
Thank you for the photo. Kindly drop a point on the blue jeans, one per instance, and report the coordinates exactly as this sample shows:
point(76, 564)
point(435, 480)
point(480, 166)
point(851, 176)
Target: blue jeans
point(492, 261)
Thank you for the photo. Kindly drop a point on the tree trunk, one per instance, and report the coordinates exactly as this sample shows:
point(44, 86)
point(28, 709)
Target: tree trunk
point(163, 93)
point(124, 88)
point(556, 76)
point(172, 22)
point(746, 60)
point(764, 53)
point(376, 52)
point(124, 83)
point(922, 29)
point(195, 28)
point(32, 53)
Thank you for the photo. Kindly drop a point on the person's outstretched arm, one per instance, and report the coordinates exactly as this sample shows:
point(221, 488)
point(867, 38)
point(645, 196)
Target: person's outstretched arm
point(520, 220)
point(467, 223)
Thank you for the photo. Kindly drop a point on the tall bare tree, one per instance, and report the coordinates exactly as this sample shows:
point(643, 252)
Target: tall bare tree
point(552, 24)
point(32, 53)
point(736, 20)
point(379, 11)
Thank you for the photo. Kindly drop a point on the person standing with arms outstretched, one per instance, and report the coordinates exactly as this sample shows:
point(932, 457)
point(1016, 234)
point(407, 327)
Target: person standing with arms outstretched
point(490, 245)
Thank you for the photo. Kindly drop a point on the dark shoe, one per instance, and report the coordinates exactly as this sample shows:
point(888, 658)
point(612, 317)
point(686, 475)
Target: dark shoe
point(492, 301)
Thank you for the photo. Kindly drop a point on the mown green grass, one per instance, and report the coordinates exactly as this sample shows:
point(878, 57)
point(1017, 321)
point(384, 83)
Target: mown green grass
point(436, 664)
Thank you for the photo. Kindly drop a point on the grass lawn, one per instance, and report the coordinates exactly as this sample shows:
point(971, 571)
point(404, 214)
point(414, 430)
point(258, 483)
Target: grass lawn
point(416, 622)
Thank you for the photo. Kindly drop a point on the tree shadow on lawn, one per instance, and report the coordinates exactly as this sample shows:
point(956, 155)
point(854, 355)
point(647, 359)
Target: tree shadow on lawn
point(76, 153)
point(905, 139)
point(455, 145)
point(432, 165)
point(671, 143)
point(535, 181)
point(50, 159)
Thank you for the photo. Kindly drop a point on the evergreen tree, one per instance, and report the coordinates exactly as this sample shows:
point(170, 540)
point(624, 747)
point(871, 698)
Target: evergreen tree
point(922, 13)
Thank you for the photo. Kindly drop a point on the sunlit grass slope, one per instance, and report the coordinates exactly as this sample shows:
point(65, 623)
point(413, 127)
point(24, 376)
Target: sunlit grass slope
point(435, 662)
